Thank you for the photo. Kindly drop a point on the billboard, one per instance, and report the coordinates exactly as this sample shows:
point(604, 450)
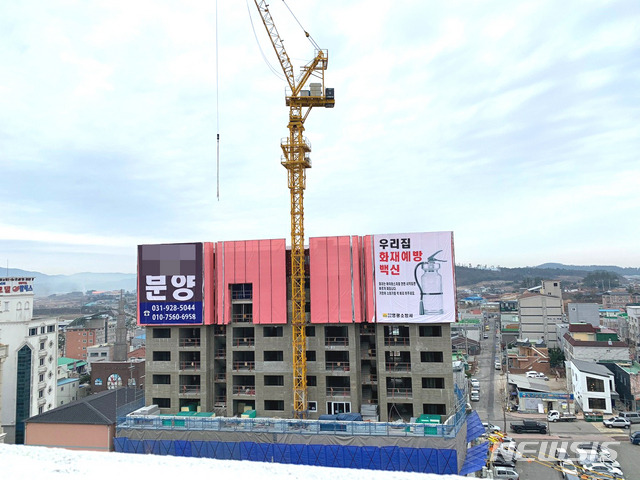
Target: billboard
point(16, 286)
point(170, 284)
point(414, 278)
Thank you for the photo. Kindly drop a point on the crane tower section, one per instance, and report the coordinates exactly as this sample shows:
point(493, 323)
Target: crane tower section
point(296, 160)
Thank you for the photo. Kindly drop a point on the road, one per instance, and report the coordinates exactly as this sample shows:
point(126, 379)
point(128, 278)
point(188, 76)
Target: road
point(490, 408)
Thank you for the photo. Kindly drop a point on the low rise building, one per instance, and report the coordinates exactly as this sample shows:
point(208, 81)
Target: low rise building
point(627, 382)
point(592, 386)
point(586, 342)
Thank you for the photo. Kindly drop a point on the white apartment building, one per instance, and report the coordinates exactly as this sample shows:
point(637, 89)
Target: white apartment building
point(29, 371)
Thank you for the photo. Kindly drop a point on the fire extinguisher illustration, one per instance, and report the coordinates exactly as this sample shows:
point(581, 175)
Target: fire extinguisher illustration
point(430, 285)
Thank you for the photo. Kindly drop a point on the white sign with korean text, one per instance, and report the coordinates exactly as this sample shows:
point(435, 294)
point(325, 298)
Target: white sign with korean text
point(414, 278)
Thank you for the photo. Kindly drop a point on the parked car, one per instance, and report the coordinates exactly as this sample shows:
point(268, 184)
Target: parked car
point(498, 365)
point(561, 455)
point(603, 469)
point(618, 422)
point(475, 396)
point(590, 449)
point(633, 417)
point(475, 383)
point(542, 376)
point(567, 467)
point(532, 374)
point(634, 438)
point(505, 473)
point(499, 459)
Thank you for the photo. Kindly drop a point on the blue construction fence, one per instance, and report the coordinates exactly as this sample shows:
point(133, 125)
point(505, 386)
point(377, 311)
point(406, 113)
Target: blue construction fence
point(390, 458)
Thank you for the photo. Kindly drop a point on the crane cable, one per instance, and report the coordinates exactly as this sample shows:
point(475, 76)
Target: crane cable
point(313, 42)
point(217, 114)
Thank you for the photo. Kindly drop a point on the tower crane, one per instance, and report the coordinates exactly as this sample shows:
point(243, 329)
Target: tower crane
point(296, 160)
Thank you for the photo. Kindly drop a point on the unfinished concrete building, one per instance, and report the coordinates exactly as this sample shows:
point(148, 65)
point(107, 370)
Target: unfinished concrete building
point(232, 352)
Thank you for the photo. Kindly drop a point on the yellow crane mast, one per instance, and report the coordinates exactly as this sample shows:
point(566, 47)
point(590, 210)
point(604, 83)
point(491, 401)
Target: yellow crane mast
point(296, 160)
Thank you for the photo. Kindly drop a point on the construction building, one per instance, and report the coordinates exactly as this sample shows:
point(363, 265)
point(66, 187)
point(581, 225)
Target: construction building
point(378, 336)
point(540, 311)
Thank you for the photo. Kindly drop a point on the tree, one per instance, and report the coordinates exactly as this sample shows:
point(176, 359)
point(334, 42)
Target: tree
point(556, 358)
point(601, 279)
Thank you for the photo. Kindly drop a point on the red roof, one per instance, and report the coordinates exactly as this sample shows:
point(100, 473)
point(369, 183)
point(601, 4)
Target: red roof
point(582, 327)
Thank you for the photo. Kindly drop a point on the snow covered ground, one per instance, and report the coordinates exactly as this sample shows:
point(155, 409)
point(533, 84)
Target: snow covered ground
point(18, 461)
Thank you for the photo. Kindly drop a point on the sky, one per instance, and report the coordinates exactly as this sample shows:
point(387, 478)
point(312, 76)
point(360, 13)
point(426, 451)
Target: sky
point(19, 461)
point(516, 125)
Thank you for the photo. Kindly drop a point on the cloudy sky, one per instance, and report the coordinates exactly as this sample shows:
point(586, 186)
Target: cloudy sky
point(514, 124)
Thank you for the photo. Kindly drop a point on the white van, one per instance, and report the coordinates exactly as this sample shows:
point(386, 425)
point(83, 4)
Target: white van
point(633, 417)
point(505, 473)
point(532, 374)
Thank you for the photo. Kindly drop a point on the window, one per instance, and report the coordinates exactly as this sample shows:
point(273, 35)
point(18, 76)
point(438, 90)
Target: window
point(430, 330)
point(595, 385)
point(312, 381)
point(51, 328)
point(310, 331)
point(311, 355)
point(161, 333)
point(434, 409)
point(159, 356)
point(33, 331)
point(84, 334)
point(272, 332)
point(273, 380)
point(241, 291)
point(41, 377)
point(162, 379)
point(275, 405)
point(273, 356)
point(42, 345)
point(41, 409)
point(431, 357)
point(312, 406)
point(437, 382)
point(162, 402)
point(597, 404)
point(42, 330)
point(6, 306)
point(41, 393)
point(41, 362)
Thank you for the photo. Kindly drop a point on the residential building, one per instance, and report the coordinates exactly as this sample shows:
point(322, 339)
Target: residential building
point(592, 385)
point(85, 424)
point(99, 353)
point(29, 369)
point(3, 355)
point(627, 381)
point(239, 356)
point(586, 342)
point(619, 300)
point(85, 332)
point(67, 390)
point(539, 310)
point(584, 313)
point(633, 326)
point(525, 357)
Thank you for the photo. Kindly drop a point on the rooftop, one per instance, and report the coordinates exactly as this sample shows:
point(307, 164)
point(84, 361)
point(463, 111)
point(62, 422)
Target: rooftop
point(592, 367)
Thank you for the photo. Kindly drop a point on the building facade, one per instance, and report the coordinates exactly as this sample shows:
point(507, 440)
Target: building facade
point(584, 313)
point(240, 357)
point(540, 310)
point(592, 385)
point(29, 372)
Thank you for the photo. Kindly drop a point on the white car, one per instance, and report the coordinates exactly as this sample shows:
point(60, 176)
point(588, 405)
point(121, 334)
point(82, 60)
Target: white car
point(602, 468)
point(616, 422)
point(592, 449)
point(475, 383)
point(532, 374)
point(490, 427)
point(567, 467)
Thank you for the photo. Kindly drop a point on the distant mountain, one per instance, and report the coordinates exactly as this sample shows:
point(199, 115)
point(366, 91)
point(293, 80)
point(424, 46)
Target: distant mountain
point(593, 268)
point(45, 285)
